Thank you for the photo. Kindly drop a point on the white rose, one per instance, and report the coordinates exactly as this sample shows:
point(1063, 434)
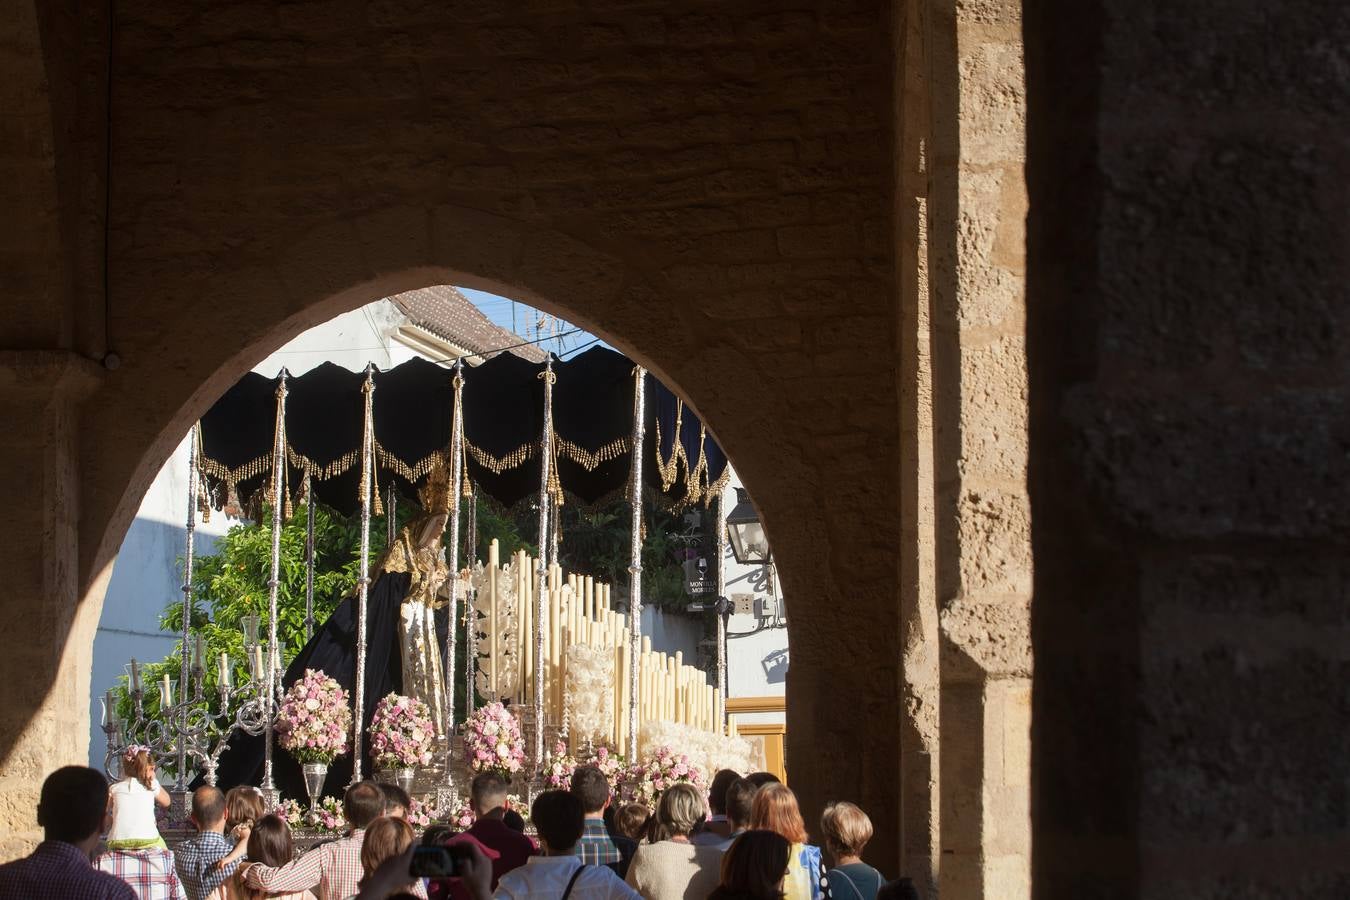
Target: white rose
point(311, 704)
point(503, 751)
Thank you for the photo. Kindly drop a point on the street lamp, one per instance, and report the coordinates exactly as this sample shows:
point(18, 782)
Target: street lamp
point(749, 544)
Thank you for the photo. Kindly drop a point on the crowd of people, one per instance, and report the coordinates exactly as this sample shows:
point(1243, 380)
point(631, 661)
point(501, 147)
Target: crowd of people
point(744, 839)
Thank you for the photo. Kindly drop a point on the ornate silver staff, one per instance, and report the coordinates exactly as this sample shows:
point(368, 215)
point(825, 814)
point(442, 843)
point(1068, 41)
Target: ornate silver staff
point(309, 558)
point(635, 564)
point(541, 595)
point(363, 583)
point(269, 788)
point(454, 487)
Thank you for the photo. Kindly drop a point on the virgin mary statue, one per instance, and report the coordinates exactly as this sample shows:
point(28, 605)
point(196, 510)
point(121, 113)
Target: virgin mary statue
point(405, 629)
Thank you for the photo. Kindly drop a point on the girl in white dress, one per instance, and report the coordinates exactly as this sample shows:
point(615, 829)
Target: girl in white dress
point(133, 803)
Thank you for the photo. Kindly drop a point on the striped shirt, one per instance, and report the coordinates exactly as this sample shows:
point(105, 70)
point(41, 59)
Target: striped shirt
point(596, 848)
point(149, 872)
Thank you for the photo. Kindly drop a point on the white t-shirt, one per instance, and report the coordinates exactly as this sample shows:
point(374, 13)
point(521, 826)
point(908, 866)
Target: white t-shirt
point(133, 811)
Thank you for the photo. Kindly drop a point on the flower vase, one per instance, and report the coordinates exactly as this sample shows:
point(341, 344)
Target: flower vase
point(315, 775)
point(404, 777)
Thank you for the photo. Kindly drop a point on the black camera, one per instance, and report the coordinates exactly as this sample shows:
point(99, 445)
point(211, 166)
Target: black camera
point(438, 862)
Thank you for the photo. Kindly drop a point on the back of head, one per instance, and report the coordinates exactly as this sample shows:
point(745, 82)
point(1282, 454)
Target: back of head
point(385, 838)
point(208, 806)
point(754, 865)
point(845, 829)
point(630, 820)
point(513, 820)
point(487, 791)
point(678, 812)
point(717, 792)
point(899, 889)
point(270, 841)
point(775, 809)
point(243, 806)
point(395, 798)
point(363, 803)
point(759, 779)
point(137, 763)
point(591, 787)
point(73, 803)
point(559, 819)
point(740, 799)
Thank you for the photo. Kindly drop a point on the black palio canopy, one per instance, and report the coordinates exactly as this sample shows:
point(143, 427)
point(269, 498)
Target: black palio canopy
point(413, 410)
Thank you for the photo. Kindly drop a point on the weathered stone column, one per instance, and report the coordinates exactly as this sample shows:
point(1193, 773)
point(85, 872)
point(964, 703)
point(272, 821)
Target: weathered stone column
point(47, 635)
point(1190, 419)
point(977, 208)
point(920, 680)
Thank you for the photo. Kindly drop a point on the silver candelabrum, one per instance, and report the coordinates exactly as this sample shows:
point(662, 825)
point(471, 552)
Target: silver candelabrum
point(186, 735)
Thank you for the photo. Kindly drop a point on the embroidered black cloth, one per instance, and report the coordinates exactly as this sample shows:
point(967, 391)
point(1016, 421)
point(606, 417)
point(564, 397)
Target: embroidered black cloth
point(413, 410)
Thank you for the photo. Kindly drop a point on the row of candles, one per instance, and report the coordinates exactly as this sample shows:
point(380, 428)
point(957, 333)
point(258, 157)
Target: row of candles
point(255, 652)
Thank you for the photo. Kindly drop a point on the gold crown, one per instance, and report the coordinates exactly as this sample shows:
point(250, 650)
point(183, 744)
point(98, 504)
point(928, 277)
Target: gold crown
point(434, 494)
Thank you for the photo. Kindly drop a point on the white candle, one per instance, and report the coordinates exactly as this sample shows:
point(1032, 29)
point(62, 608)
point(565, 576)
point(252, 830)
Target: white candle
point(166, 692)
point(135, 675)
point(226, 670)
point(199, 653)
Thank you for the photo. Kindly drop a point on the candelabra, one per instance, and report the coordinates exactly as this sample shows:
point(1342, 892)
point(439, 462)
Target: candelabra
point(186, 732)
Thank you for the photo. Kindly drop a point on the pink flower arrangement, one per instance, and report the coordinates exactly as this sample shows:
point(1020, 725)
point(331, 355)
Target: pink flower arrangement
point(420, 814)
point(462, 818)
point(610, 764)
point(644, 782)
point(314, 721)
point(558, 769)
point(401, 733)
point(327, 815)
point(492, 741)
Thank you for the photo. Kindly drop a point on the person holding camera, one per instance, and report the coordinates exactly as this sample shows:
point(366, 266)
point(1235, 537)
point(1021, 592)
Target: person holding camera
point(556, 874)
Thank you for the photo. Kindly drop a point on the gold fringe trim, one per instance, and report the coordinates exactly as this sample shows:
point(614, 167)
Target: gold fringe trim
point(590, 460)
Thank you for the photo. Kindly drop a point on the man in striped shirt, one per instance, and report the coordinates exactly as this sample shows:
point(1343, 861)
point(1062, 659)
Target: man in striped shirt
point(333, 870)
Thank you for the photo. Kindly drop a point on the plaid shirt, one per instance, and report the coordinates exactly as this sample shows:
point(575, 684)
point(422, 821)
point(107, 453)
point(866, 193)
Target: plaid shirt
point(196, 858)
point(333, 871)
point(59, 871)
point(149, 872)
point(595, 847)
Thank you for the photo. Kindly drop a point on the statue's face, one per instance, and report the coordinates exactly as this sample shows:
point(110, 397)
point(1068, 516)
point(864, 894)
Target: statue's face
point(433, 529)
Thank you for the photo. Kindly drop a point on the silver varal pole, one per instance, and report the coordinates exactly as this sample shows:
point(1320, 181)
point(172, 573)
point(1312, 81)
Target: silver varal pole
point(541, 595)
point(635, 564)
point(721, 593)
point(309, 558)
point(470, 633)
point(274, 581)
point(455, 485)
point(188, 552)
point(363, 583)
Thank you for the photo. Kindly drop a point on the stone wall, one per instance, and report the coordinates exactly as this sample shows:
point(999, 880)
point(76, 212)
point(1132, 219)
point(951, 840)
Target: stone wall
point(1187, 338)
point(697, 182)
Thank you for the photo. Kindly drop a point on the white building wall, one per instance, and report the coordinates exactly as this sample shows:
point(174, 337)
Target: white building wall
point(757, 646)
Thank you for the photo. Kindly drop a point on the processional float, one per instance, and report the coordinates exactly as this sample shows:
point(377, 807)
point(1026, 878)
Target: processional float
point(270, 442)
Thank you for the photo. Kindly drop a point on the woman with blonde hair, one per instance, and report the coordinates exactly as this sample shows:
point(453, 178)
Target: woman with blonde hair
point(133, 800)
point(775, 809)
point(847, 830)
point(670, 867)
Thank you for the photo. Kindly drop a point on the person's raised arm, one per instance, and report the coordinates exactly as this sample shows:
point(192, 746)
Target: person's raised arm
point(297, 875)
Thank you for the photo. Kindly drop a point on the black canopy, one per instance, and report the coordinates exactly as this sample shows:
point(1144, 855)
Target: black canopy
point(413, 410)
